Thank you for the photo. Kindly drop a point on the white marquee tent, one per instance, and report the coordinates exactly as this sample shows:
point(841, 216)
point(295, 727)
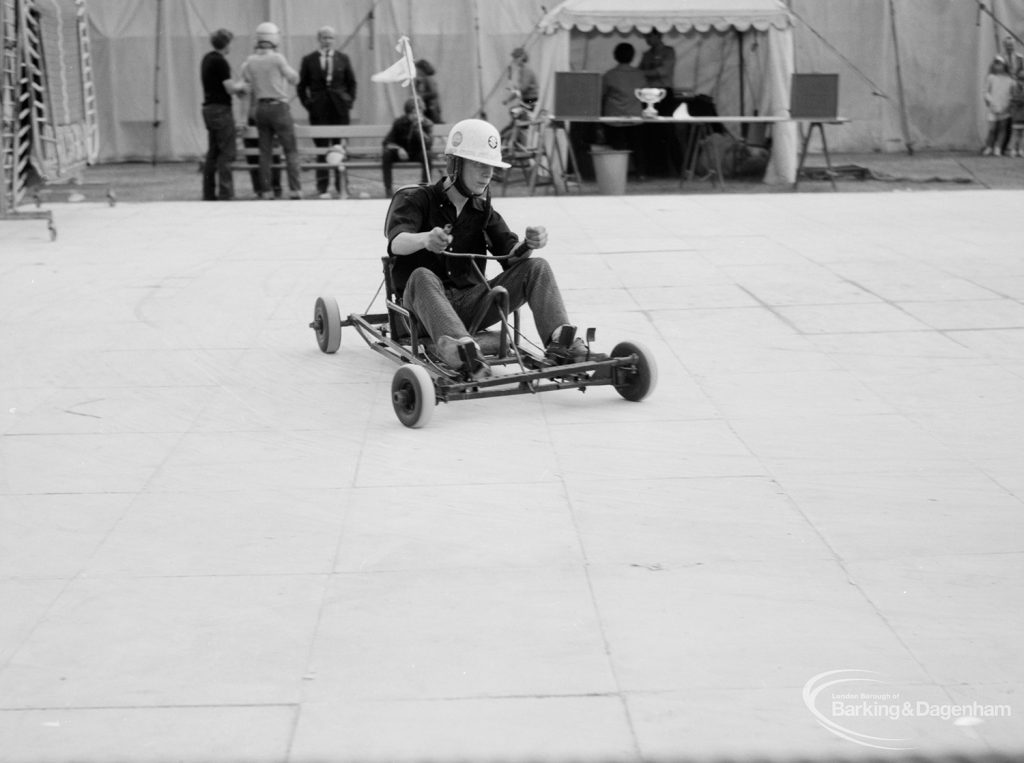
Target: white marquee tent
point(911, 71)
point(146, 56)
point(748, 43)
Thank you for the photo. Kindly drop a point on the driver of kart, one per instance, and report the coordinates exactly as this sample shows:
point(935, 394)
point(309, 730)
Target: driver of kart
point(455, 214)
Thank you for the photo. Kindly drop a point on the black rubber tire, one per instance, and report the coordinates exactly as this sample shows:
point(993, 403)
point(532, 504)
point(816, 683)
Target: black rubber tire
point(327, 321)
point(640, 382)
point(413, 396)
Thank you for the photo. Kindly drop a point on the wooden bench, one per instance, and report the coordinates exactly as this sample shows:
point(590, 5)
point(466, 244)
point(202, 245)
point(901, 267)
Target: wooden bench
point(363, 149)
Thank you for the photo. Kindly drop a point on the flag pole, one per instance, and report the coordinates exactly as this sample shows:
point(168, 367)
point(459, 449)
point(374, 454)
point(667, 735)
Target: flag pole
point(404, 71)
point(425, 157)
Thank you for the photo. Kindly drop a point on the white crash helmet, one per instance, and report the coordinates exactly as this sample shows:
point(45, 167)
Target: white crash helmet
point(336, 154)
point(268, 32)
point(477, 140)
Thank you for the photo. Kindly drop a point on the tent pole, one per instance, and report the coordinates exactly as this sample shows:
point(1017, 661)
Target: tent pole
point(407, 53)
point(156, 77)
point(904, 123)
point(367, 19)
point(482, 111)
point(743, 110)
point(998, 23)
point(875, 89)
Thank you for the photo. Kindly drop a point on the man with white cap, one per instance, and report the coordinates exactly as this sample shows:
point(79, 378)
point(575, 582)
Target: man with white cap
point(267, 77)
point(327, 88)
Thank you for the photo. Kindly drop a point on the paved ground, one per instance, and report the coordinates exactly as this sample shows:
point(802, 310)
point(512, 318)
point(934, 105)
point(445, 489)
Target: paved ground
point(219, 544)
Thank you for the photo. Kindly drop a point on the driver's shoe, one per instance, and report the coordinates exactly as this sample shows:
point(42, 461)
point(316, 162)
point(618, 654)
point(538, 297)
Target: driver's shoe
point(566, 347)
point(463, 354)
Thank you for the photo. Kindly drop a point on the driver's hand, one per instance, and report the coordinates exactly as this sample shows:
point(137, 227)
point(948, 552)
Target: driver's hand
point(536, 238)
point(438, 240)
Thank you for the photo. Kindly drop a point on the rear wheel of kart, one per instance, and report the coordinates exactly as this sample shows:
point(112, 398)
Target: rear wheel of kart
point(638, 381)
point(412, 395)
point(327, 324)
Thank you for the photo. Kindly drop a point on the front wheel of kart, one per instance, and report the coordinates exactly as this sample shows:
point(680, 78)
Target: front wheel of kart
point(327, 324)
point(412, 395)
point(635, 382)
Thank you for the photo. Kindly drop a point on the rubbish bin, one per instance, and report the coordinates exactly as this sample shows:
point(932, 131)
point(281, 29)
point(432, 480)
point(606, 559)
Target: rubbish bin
point(611, 167)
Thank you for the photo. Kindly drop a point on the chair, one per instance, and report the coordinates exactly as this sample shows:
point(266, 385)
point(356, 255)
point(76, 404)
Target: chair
point(520, 148)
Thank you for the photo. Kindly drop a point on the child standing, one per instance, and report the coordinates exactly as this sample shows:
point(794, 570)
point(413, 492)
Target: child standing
point(1017, 117)
point(997, 100)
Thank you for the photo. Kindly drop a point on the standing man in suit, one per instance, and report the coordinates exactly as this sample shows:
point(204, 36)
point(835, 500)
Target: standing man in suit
point(327, 88)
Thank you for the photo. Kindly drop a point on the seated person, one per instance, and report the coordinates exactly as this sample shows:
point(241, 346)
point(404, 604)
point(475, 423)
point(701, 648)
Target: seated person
point(405, 141)
point(456, 214)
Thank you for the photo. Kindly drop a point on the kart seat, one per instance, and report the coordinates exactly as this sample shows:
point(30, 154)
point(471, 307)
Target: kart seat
point(405, 327)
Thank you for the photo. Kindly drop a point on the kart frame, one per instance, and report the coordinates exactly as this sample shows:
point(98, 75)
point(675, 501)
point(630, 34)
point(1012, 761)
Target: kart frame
point(423, 379)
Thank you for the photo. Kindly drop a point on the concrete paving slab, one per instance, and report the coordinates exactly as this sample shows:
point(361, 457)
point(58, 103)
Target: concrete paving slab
point(448, 633)
point(530, 728)
point(159, 641)
point(219, 544)
point(148, 735)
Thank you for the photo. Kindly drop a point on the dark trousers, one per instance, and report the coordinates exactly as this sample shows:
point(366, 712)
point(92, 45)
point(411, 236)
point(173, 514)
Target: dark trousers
point(324, 112)
point(220, 152)
point(446, 312)
point(275, 118)
point(998, 134)
point(254, 173)
point(389, 157)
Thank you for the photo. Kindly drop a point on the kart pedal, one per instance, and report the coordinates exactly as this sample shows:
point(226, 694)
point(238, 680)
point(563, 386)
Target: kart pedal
point(473, 364)
point(565, 336)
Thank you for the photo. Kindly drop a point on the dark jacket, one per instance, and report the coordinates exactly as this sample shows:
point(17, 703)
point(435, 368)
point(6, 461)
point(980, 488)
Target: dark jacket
point(327, 103)
point(405, 133)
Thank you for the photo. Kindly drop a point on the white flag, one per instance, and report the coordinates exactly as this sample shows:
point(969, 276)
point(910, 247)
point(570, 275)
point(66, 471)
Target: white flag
point(403, 70)
point(397, 72)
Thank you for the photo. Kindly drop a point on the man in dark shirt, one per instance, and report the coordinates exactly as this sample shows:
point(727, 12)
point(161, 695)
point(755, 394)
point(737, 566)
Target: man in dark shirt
point(456, 215)
point(215, 72)
point(658, 62)
point(406, 141)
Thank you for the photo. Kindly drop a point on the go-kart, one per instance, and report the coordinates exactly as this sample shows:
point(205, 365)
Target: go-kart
point(517, 366)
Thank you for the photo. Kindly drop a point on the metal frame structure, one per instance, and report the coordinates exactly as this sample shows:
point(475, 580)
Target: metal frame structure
point(422, 379)
point(30, 140)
